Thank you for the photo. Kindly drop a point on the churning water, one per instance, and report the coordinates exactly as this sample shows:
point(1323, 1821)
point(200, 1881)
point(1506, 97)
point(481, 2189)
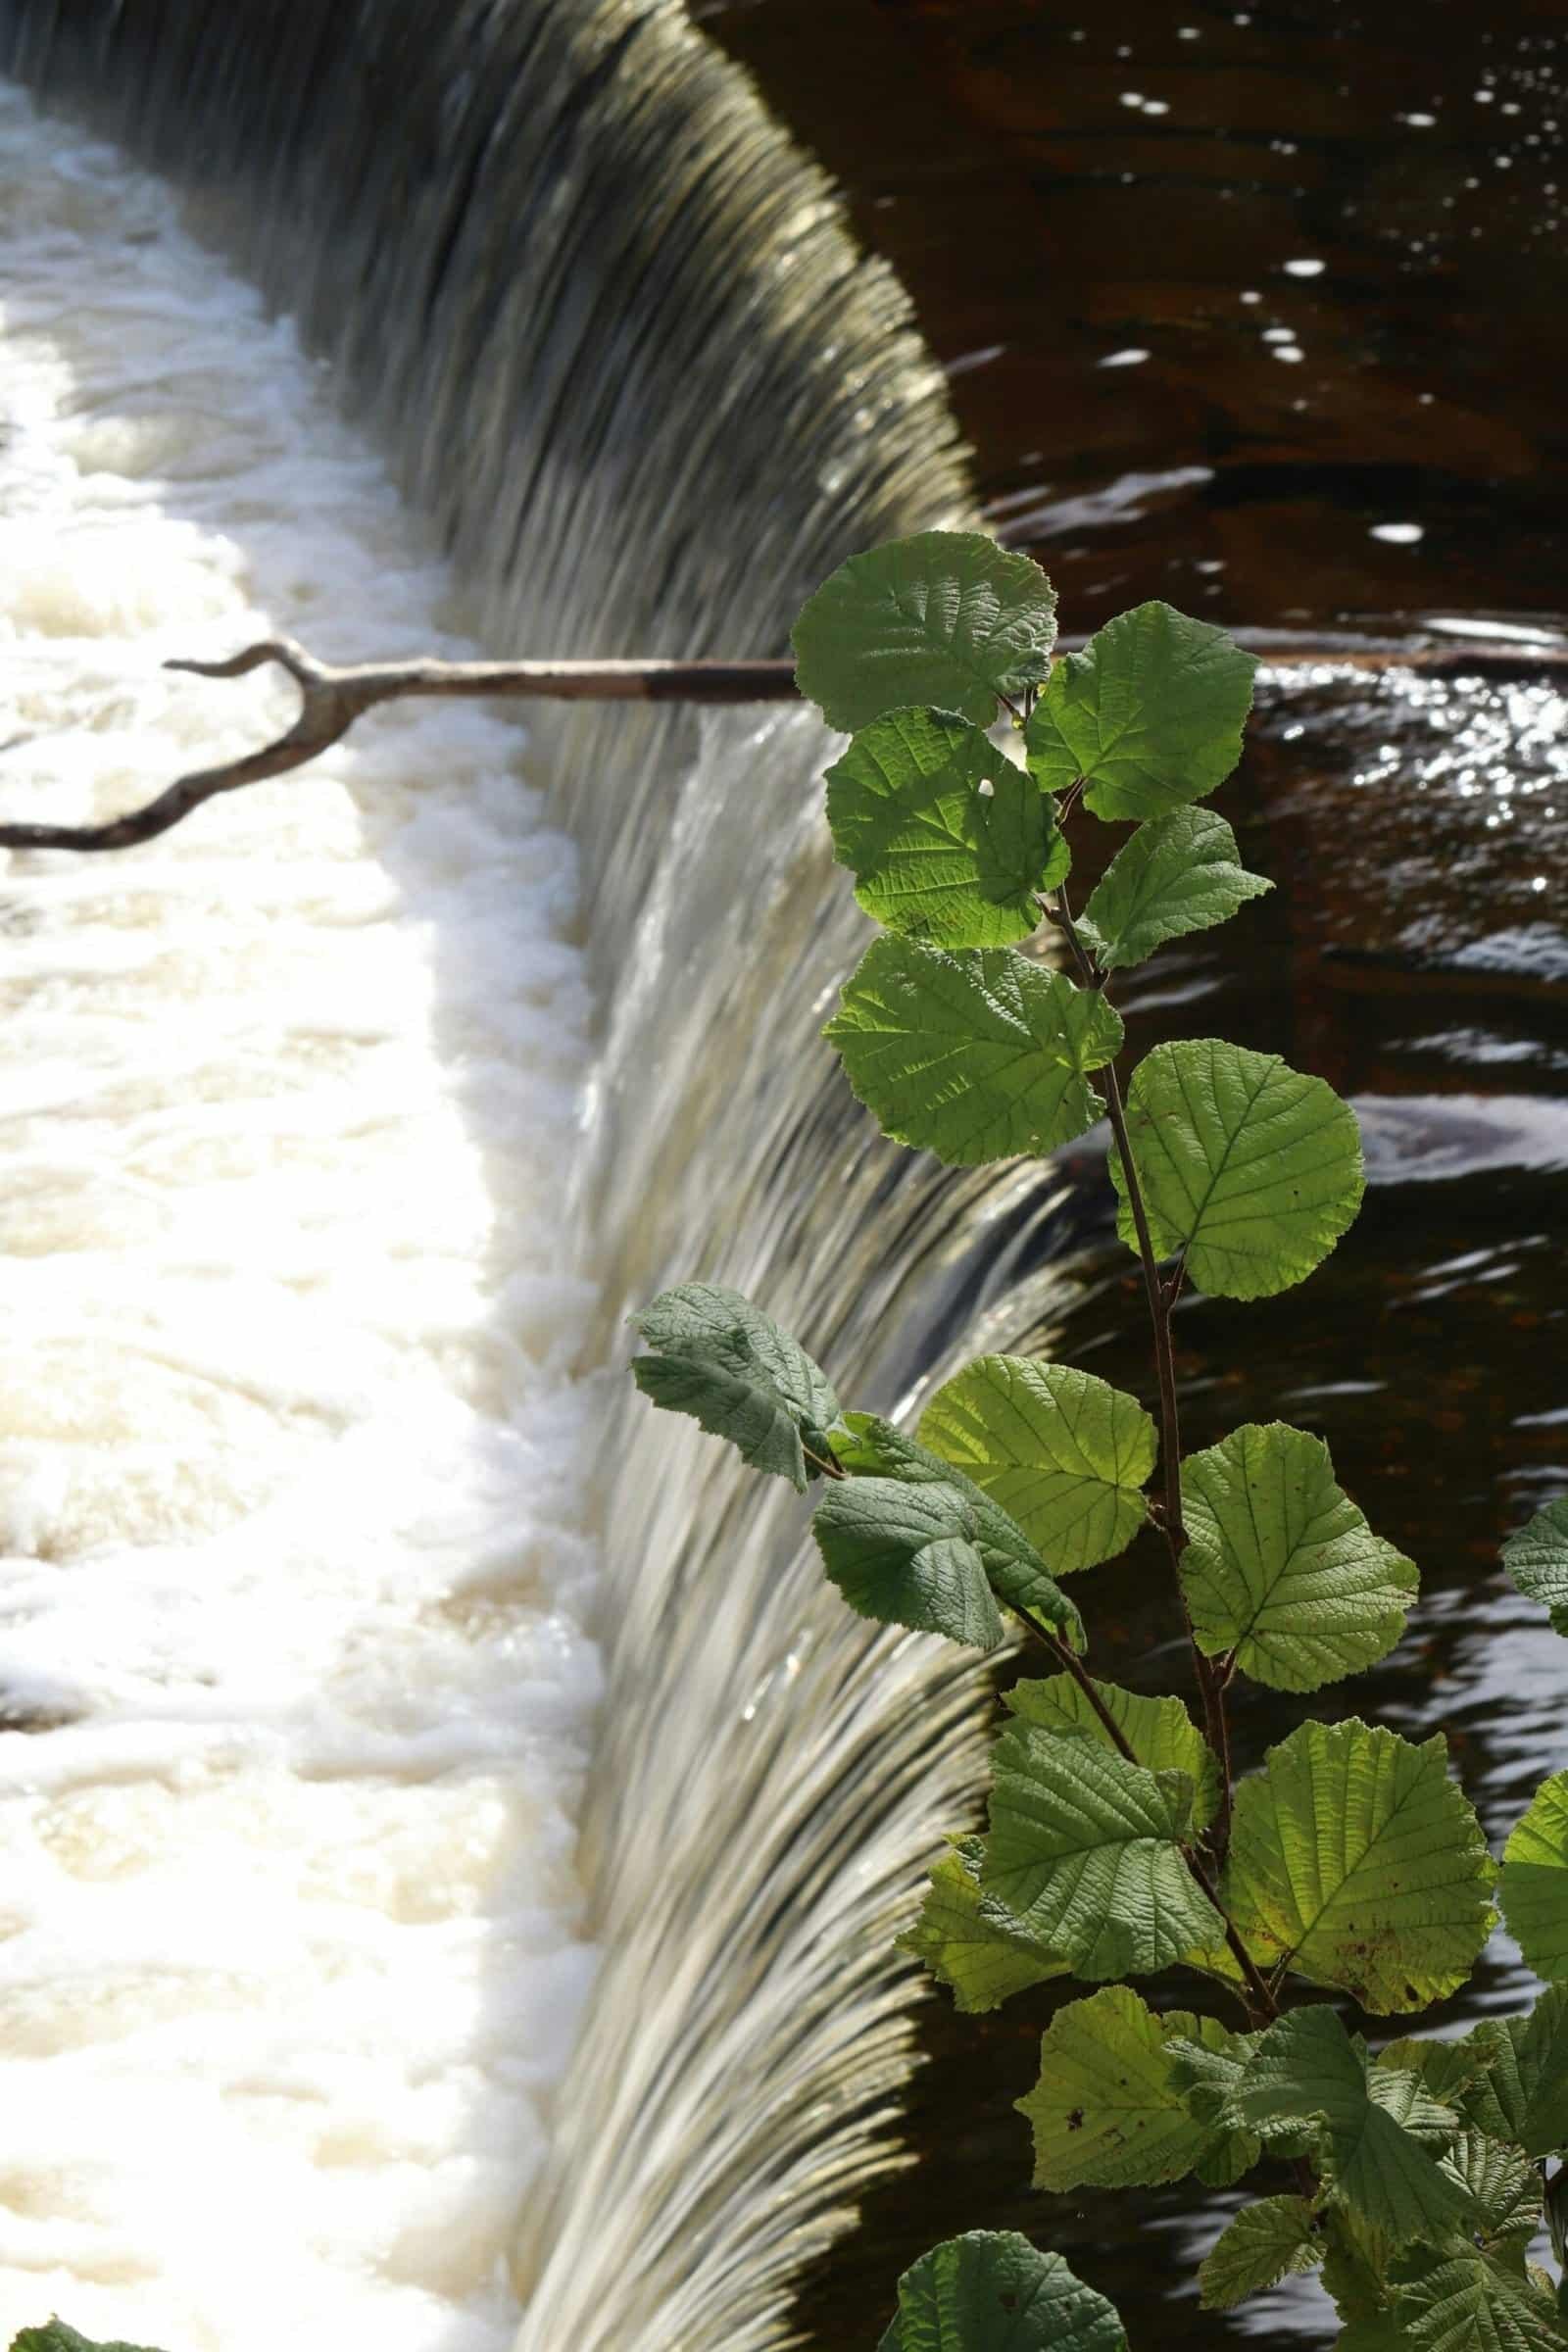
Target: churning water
point(294, 1665)
point(609, 328)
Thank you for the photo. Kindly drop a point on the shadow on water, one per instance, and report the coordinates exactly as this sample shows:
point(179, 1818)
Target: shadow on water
point(1260, 308)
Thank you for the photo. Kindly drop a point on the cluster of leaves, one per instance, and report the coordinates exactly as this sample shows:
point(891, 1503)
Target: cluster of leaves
point(1348, 1862)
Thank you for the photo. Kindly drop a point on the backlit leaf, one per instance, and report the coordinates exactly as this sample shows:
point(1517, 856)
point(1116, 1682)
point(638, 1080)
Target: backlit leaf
point(1358, 1861)
point(1085, 1851)
point(1180, 873)
point(869, 1447)
point(1249, 1167)
point(1106, 2112)
point(945, 618)
point(1280, 1566)
point(1260, 2245)
point(969, 1941)
point(1065, 1454)
point(946, 840)
point(720, 1358)
point(1150, 712)
point(1160, 1733)
point(1535, 1880)
point(993, 2291)
point(974, 1057)
point(1536, 1559)
point(909, 1555)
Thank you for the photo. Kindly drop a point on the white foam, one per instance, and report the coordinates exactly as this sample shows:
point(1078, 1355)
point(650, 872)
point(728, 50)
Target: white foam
point(290, 1460)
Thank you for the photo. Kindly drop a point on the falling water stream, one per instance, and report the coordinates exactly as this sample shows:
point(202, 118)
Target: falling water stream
point(328, 1536)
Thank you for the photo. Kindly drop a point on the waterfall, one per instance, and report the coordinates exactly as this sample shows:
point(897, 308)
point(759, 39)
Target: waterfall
point(624, 358)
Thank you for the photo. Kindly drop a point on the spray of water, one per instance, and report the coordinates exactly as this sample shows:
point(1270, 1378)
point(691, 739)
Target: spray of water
point(293, 1604)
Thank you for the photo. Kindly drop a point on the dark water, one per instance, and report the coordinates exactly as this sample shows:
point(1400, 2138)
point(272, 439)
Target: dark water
point(1162, 405)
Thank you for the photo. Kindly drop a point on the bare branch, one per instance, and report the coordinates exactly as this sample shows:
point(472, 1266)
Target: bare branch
point(333, 698)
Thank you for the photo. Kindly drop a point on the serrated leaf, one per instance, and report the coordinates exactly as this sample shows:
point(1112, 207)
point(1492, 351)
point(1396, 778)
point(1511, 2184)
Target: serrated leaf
point(1356, 2259)
point(869, 1447)
point(947, 841)
point(1106, 2112)
point(1084, 1849)
point(1461, 2300)
point(993, 2291)
point(1355, 1860)
point(56, 2337)
point(1259, 2246)
point(1249, 1167)
point(1535, 1880)
point(974, 1057)
point(1064, 1452)
point(906, 1554)
point(1151, 713)
point(1160, 1733)
point(1522, 2092)
point(1280, 1567)
point(945, 618)
point(1503, 2186)
point(969, 1941)
point(1537, 1558)
point(1178, 874)
point(1306, 2069)
point(720, 1358)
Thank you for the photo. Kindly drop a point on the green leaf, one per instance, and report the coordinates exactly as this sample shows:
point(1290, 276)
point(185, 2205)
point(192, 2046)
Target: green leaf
point(1358, 1861)
point(969, 1941)
point(1260, 2245)
point(1151, 713)
point(869, 1447)
point(910, 1555)
point(1306, 2069)
point(1160, 1733)
point(1537, 1558)
point(1251, 1168)
point(975, 1056)
point(56, 2337)
point(723, 1360)
point(945, 618)
point(947, 841)
point(1065, 1454)
point(1281, 1567)
point(1520, 2089)
point(1181, 874)
point(1356, 2259)
point(1084, 1849)
point(1535, 1880)
point(1503, 2186)
point(1458, 2299)
point(993, 2291)
point(1106, 2112)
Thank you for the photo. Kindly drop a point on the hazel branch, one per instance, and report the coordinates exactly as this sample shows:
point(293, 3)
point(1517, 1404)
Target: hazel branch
point(333, 698)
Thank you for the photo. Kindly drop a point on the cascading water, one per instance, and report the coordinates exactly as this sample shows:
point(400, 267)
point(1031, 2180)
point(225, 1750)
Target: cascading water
point(294, 1659)
point(615, 342)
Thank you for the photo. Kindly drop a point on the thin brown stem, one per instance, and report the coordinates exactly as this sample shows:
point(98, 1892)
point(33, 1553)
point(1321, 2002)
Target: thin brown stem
point(1162, 1298)
point(828, 1467)
point(1259, 2002)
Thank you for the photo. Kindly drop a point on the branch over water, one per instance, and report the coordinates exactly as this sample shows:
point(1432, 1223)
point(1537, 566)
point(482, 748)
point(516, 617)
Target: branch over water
point(331, 699)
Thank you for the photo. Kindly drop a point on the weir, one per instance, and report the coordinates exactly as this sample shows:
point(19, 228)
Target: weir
point(611, 332)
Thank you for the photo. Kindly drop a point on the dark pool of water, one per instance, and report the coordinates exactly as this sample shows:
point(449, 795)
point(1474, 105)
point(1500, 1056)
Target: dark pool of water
point(1262, 309)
